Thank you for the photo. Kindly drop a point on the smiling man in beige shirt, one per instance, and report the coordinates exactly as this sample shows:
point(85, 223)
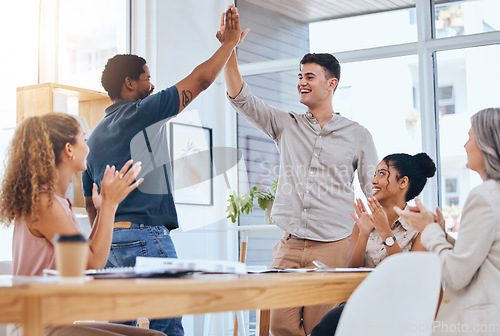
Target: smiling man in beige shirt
point(319, 153)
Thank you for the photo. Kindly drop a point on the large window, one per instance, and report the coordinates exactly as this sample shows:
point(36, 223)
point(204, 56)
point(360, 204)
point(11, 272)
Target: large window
point(364, 31)
point(19, 41)
point(19, 56)
point(474, 75)
point(78, 37)
point(379, 95)
point(62, 41)
point(413, 77)
point(466, 17)
point(90, 32)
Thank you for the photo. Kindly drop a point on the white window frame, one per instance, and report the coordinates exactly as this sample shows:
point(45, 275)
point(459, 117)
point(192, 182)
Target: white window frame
point(425, 48)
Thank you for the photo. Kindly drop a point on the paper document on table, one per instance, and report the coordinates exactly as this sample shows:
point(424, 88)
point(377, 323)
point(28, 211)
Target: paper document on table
point(150, 264)
point(283, 270)
point(344, 269)
point(308, 270)
point(149, 267)
point(322, 267)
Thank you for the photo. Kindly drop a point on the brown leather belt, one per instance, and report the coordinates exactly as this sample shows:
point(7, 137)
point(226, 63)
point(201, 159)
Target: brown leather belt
point(122, 225)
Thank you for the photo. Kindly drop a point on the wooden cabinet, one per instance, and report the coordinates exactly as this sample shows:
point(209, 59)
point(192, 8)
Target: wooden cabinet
point(51, 97)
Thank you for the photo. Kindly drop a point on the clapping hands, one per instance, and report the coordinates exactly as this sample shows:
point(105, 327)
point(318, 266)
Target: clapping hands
point(379, 217)
point(365, 221)
point(419, 217)
point(362, 218)
point(116, 184)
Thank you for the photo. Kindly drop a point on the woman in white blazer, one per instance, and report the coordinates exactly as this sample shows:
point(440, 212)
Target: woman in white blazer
point(471, 265)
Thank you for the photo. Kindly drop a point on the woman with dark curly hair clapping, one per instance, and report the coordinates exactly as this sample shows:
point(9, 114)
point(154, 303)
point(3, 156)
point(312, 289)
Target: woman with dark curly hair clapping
point(398, 179)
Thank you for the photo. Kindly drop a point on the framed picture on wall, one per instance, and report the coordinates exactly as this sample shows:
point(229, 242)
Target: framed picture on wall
point(192, 162)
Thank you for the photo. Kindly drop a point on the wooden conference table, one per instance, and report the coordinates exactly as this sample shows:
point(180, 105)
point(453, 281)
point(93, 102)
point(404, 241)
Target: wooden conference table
point(39, 302)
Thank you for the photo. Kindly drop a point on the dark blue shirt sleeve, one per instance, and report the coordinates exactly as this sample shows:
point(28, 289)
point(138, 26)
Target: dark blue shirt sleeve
point(160, 106)
point(87, 183)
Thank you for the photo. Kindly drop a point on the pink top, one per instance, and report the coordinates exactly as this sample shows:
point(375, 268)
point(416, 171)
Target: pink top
point(30, 254)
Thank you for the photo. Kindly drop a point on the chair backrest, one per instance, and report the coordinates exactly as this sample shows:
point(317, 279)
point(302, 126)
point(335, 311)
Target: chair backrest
point(399, 297)
point(5, 267)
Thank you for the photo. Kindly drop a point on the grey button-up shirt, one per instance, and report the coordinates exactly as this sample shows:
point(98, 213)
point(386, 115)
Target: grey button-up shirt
point(317, 166)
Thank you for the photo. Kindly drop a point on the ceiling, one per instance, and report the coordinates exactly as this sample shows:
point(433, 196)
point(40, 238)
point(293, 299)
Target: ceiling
point(319, 10)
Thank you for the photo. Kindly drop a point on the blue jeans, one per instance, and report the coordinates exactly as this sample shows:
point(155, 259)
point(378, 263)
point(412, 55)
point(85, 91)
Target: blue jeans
point(146, 241)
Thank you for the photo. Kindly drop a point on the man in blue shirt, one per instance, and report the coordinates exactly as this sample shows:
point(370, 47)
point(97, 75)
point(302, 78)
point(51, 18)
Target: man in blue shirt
point(134, 127)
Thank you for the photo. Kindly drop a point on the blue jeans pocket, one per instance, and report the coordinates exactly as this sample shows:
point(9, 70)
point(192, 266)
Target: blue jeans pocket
point(162, 242)
point(125, 248)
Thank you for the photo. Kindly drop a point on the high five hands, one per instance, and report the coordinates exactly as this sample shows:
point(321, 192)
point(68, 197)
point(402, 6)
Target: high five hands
point(230, 24)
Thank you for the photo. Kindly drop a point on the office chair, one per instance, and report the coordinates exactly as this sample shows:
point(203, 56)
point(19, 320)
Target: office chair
point(399, 297)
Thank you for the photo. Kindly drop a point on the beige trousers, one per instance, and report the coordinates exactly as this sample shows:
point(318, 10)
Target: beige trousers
point(294, 252)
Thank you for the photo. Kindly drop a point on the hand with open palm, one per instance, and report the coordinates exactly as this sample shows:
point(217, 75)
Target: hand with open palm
point(362, 218)
point(223, 22)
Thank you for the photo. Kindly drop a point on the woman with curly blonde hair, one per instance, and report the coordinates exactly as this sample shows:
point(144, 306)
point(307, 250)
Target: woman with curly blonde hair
point(45, 153)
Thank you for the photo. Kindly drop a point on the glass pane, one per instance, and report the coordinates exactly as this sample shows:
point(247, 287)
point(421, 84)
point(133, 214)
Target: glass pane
point(90, 32)
point(260, 163)
point(386, 107)
point(19, 41)
point(19, 56)
point(364, 31)
point(382, 95)
point(466, 17)
point(474, 76)
point(5, 233)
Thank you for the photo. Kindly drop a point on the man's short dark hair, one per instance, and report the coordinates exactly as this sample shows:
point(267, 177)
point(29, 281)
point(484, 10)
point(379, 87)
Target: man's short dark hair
point(117, 69)
point(329, 63)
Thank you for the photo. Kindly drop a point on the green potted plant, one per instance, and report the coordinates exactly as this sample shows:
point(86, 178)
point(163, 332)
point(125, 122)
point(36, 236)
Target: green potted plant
point(240, 204)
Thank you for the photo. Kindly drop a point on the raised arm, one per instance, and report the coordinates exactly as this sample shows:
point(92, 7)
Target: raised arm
point(205, 74)
point(234, 81)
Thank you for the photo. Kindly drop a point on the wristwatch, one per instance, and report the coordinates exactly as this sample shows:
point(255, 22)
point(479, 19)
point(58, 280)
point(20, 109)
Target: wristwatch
point(389, 241)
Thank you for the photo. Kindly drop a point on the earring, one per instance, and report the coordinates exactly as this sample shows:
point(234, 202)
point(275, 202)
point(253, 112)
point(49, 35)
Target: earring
point(72, 158)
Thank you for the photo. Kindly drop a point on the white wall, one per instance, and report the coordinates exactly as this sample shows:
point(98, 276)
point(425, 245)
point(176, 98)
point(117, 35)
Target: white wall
point(175, 37)
point(186, 38)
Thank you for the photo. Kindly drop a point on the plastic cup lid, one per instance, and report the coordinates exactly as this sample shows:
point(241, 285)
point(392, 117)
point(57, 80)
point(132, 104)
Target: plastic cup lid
point(69, 238)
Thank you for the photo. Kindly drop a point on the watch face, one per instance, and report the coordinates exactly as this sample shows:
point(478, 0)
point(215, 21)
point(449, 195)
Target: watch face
point(389, 241)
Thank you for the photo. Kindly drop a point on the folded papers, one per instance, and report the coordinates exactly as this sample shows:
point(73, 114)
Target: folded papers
point(169, 267)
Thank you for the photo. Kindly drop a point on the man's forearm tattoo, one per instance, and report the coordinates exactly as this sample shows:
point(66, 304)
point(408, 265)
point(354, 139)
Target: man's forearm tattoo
point(187, 96)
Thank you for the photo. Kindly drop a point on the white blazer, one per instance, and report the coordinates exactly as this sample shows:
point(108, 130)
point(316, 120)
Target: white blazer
point(470, 268)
